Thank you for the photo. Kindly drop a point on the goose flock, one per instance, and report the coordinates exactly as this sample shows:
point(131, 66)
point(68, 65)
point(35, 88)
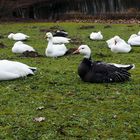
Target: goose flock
point(88, 70)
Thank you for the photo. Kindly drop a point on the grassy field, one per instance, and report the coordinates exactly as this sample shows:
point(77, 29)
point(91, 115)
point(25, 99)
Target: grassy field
point(73, 110)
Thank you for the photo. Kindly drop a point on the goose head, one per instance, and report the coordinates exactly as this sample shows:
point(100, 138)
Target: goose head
point(133, 36)
point(117, 39)
point(139, 33)
point(18, 43)
point(99, 32)
point(48, 35)
point(84, 50)
point(10, 36)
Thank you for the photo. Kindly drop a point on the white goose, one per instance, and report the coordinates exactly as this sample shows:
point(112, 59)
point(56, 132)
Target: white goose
point(54, 50)
point(118, 45)
point(134, 40)
point(20, 47)
point(139, 33)
point(12, 70)
point(110, 42)
point(59, 39)
point(18, 36)
point(96, 36)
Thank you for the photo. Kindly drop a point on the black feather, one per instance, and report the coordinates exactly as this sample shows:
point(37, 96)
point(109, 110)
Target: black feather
point(100, 72)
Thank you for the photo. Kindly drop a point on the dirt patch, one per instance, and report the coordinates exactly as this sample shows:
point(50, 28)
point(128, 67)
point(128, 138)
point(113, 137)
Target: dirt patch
point(52, 29)
point(1, 36)
point(107, 26)
point(87, 27)
point(76, 41)
point(2, 45)
point(70, 51)
point(130, 26)
point(101, 55)
point(31, 54)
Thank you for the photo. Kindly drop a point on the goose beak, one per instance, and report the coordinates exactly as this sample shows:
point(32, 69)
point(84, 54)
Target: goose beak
point(76, 52)
point(45, 36)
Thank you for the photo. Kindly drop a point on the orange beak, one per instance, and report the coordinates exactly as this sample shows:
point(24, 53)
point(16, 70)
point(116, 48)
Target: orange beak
point(76, 52)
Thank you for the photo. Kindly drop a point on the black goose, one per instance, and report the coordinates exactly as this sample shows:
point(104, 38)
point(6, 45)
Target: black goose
point(100, 72)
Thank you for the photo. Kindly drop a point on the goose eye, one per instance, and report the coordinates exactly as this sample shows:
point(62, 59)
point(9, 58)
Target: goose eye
point(82, 48)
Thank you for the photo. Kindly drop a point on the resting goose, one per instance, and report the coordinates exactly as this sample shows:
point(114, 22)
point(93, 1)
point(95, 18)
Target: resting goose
point(134, 40)
point(12, 70)
point(20, 47)
point(58, 39)
point(54, 50)
point(18, 36)
point(96, 36)
point(119, 45)
point(100, 72)
point(60, 33)
point(139, 33)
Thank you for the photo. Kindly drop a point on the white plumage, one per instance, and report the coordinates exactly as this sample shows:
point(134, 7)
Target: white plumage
point(96, 36)
point(18, 36)
point(20, 47)
point(134, 40)
point(11, 70)
point(59, 39)
point(118, 45)
point(54, 50)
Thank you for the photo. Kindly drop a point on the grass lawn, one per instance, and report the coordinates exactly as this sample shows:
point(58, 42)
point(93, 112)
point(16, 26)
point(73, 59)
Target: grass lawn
point(73, 110)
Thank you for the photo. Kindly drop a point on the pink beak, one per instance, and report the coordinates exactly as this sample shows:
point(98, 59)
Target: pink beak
point(76, 52)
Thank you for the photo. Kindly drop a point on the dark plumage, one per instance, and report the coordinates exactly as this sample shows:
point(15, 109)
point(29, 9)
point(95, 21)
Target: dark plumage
point(100, 72)
point(60, 33)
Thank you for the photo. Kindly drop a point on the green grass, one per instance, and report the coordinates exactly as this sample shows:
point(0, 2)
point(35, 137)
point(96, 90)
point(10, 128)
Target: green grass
point(74, 110)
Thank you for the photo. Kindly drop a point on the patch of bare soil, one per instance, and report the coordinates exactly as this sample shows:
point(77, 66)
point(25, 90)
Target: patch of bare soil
point(101, 55)
point(31, 54)
point(2, 45)
point(52, 29)
point(76, 41)
point(1, 36)
point(70, 51)
point(87, 27)
point(107, 26)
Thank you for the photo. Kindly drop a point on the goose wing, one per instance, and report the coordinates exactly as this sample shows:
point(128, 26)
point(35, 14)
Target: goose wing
point(104, 72)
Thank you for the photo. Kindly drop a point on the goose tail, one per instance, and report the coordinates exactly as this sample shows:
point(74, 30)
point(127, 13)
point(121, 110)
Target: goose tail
point(33, 69)
point(127, 67)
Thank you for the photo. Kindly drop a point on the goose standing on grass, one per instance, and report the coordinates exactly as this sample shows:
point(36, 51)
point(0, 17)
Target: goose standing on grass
point(96, 36)
point(54, 50)
point(118, 45)
point(100, 72)
point(12, 70)
point(18, 36)
point(134, 40)
point(58, 39)
point(20, 47)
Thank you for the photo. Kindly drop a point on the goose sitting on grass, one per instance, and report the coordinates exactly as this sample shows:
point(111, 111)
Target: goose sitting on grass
point(118, 45)
point(54, 50)
point(12, 70)
point(18, 36)
point(100, 72)
point(96, 36)
point(20, 47)
point(58, 39)
point(134, 40)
